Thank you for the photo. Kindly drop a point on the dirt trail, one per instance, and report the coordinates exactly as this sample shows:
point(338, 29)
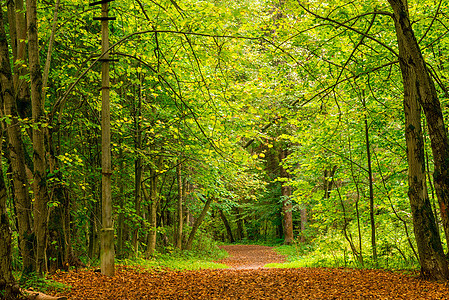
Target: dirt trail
point(247, 257)
point(246, 279)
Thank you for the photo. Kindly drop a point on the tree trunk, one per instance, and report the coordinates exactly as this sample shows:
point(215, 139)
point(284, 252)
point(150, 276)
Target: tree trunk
point(227, 226)
point(328, 182)
point(287, 207)
point(179, 215)
point(121, 215)
point(137, 201)
point(418, 81)
point(138, 171)
point(19, 40)
point(16, 156)
point(8, 287)
point(239, 221)
point(419, 90)
point(39, 157)
point(107, 236)
point(371, 189)
point(153, 200)
point(196, 225)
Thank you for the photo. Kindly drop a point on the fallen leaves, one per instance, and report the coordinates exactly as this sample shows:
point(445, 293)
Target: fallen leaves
point(249, 281)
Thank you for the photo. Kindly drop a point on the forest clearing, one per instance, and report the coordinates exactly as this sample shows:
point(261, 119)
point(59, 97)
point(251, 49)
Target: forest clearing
point(143, 138)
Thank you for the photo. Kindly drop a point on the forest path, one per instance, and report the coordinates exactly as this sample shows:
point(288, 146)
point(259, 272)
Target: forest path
point(247, 257)
point(247, 279)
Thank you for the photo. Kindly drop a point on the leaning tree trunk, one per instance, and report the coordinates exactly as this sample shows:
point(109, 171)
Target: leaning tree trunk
point(16, 155)
point(420, 90)
point(287, 207)
point(417, 79)
point(431, 255)
point(196, 225)
point(227, 226)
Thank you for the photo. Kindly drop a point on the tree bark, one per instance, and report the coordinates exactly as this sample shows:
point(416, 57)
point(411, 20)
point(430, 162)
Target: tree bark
point(417, 76)
point(16, 155)
point(8, 287)
point(39, 157)
point(420, 90)
point(287, 207)
point(107, 237)
point(21, 86)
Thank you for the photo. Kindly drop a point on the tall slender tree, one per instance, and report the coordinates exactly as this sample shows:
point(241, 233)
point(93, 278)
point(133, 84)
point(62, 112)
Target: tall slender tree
point(39, 152)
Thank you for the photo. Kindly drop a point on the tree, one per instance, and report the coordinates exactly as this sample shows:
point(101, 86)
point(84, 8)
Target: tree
point(16, 155)
point(8, 288)
point(419, 91)
point(39, 152)
point(418, 86)
point(107, 237)
point(287, 206)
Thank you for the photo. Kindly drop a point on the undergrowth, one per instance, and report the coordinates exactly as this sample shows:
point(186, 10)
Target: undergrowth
point(179, 260)
point(332, 254)
point(39, 284)
point(204, 255)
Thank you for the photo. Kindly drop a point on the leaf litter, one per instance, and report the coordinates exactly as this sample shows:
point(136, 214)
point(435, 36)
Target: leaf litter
point(247, 279)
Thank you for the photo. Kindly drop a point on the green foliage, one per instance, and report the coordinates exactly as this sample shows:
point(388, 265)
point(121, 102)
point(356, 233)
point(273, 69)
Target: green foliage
point(42, 284)
point(332, 250)
point(221, 87)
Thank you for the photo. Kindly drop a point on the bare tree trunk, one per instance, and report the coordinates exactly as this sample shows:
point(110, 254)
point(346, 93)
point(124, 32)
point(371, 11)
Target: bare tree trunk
point(419, 90)
point(16, 156)
point(287, 207)
point(107, 237)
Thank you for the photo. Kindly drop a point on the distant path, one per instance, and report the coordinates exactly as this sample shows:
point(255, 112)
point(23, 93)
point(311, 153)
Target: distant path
point(247, 257)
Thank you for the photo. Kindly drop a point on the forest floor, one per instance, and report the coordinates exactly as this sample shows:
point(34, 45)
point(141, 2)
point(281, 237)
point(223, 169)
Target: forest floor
point(248, 279)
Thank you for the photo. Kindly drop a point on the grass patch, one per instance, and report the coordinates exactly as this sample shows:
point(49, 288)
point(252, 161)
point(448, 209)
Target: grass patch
point(40, 284)
point(181, 260)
